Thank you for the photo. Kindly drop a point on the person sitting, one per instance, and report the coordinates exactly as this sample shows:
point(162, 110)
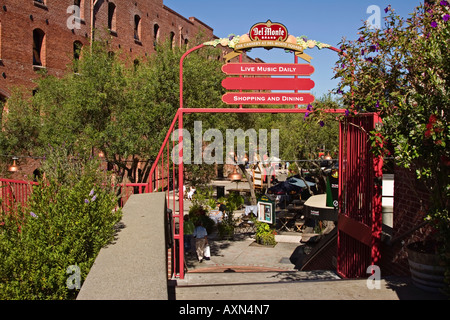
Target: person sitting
point(191, 192)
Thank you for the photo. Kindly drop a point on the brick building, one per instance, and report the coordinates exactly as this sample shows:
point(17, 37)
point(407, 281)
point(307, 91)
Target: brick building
point(47, 34)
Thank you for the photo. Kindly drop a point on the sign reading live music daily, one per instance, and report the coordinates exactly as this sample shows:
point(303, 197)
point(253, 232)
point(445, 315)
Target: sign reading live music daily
point(261, 69)
point(259, 76)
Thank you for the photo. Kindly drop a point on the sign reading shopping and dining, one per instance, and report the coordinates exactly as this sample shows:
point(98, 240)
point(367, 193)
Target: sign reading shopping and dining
point(257, 77)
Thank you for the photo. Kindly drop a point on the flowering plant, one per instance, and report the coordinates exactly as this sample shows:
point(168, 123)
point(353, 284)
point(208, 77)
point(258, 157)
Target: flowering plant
point(402, 72)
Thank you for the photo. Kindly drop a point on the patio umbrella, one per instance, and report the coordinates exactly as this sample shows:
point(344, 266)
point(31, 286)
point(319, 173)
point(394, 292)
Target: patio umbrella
point(299, 182)
point(284, 188)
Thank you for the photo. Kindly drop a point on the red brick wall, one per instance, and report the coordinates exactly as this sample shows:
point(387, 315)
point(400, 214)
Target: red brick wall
point(411, 201)
point(18, 19)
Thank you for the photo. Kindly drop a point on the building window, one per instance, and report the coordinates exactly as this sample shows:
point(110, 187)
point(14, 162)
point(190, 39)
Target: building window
point(38, 47)
point(155, 35)
point(137, 28)
point(77, 47)
point(80, 4)
point(111, 16)
point(40, 4)
point(172, 39)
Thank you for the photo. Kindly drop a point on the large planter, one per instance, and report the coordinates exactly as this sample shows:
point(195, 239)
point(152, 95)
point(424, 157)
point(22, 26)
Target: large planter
point(426, 271)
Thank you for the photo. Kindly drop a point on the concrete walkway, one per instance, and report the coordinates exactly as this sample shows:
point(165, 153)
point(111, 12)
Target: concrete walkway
point(134, 266)
point(241, 270)
point(294, 286)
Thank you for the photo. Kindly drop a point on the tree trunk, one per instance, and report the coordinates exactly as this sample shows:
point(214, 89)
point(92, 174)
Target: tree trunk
point(250, 184)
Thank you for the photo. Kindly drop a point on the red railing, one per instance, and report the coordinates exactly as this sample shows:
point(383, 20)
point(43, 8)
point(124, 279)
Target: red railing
point(14, 192)
point(165, 176)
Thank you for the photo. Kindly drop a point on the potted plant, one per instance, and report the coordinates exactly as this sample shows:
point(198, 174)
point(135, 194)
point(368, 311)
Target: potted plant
point(265, 235)
point(226, 226)
point(231, 203)
point(401, 72)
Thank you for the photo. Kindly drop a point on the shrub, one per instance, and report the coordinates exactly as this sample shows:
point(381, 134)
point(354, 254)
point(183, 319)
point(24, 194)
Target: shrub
point(265, 234)
point(64, 224)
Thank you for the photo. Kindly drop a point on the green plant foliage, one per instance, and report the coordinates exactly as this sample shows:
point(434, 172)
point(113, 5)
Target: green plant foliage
point(68, 219)
point(265, 234)
point(402, 72)
point(123, 108)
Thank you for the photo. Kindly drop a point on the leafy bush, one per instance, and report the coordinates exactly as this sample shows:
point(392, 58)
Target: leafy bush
point(64, 224)
point(198, 213)
point(265, 234)
point(232, 202)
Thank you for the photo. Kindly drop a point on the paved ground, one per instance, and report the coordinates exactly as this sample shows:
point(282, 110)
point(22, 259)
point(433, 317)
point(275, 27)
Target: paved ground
point(241, 270)
point(244, 253)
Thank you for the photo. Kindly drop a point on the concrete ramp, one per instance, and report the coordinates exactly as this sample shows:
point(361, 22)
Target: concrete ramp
point(134, 266)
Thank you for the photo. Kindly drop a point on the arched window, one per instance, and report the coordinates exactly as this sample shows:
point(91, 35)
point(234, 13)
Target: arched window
point(172, 39)
point(137, 27)
point(77, 47)
point(155, 34)
point(38, 47)
point(111, 16)
point(80, 4)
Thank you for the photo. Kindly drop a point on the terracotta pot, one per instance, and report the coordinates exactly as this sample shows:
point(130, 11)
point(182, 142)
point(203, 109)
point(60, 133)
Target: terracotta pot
point(426, 271)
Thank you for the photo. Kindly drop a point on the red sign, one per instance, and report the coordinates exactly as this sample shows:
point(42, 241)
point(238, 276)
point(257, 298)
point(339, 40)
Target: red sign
point(267, 84)
point(268, 31)
point(255, 69)
point(268, 98)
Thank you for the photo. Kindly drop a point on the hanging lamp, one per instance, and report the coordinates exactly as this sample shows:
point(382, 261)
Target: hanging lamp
point(235, 176)
point(14, 167)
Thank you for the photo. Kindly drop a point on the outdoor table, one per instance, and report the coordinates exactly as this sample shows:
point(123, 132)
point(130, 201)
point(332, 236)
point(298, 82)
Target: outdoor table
point(284, 221)
point(251, 209)
point(285, 218)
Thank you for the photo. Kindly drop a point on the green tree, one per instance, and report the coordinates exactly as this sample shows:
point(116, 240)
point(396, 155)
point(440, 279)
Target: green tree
point(402, 72)
point(123, 108)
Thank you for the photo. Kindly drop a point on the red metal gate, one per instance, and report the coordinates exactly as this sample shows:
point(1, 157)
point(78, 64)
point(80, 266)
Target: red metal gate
point(360, 173)
point(359, 225)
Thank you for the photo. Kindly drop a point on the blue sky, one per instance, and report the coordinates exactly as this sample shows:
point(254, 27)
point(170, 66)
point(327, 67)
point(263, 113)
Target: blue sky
point(327, 21)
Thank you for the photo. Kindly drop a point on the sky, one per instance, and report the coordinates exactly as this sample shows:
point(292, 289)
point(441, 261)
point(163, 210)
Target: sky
point(327, 21)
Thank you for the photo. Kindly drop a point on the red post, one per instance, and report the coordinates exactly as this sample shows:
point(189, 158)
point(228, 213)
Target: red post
point(377, 215)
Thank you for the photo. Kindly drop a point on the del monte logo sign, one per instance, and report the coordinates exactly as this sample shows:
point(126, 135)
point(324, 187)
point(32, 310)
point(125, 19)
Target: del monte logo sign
point(268, 31)
point(268, 35)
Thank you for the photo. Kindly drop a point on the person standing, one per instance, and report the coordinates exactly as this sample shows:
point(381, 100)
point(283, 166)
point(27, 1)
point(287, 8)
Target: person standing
point(188, 231)
point(201, 240)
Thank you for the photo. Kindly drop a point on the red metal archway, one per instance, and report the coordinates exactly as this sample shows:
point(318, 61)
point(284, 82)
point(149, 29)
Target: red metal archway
point(354, 162)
